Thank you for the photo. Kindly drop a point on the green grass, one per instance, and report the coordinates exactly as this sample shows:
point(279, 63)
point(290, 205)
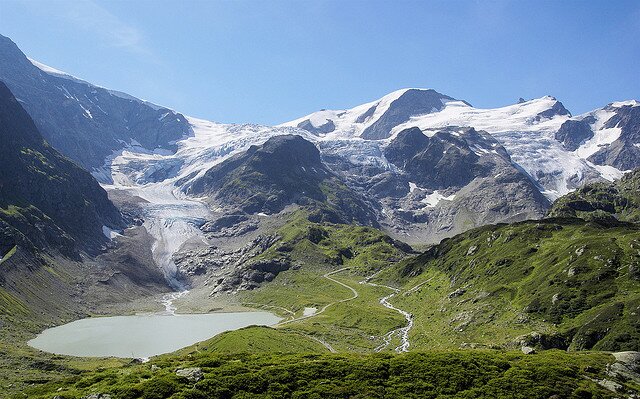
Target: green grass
point(353, 325)
point(475, 374)
point(566, 278)
point(326, 245)
point(257, 339)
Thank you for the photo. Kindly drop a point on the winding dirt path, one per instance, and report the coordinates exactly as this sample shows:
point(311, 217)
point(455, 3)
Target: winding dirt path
point(325, 307)
point(402, 332)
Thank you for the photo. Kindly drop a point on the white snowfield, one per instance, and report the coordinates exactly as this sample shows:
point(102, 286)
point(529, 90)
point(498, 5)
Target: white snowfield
point(346, 121)
point(161, 177)
point(529, 139)
point(172, 217)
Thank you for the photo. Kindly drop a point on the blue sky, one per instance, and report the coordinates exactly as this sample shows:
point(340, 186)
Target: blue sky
point(272, 61)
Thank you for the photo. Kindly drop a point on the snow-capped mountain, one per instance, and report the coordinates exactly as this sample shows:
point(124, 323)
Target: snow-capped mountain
point(531, 131)
point(374, 120)
point(607, 136)
point(83, 121)
point(426, 165)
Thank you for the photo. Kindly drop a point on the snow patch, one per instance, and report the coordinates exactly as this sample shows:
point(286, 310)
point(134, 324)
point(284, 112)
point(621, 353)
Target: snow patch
point(609, 172)
point(309, 312)
point(348, 122)
point(55, 72)
point(109, 233)
point(433, 199)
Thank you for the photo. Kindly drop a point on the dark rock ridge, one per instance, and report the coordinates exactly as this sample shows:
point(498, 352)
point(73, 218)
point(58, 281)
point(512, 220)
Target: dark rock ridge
point(572, 134)
point(470, 167)
point(325, 128)
point(450, 158)
point(622, 153)
point(46, 200)
point(557, 109)
point(284, 170)
point(603, 202)
point(82, 121)
point(412, 102)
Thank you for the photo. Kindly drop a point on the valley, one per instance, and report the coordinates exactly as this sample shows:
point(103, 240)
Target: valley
point(347, 253)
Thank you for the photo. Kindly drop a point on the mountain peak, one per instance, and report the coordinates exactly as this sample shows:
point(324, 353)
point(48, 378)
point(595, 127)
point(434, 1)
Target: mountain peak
point(409, 103)
point(375, 120)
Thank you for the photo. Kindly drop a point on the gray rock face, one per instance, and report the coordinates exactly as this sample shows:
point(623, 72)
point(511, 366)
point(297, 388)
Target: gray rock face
point(410, 103)
point(456, 177)
point(253, 274)
point(573, 133)
point(85, 122)
point(326, 128)
point(557, 109)
point(627, 366)
point(191, 374)
point(227, 268)
point(285, 170)
point(57, 204)
point(623, 152)
point(527, 350)
point(448, 159)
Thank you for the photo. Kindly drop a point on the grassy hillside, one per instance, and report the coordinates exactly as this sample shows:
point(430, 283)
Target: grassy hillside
point(479, 374)
point(564, 283)
point(326, 244)
point(331, 261)
point(619, 200)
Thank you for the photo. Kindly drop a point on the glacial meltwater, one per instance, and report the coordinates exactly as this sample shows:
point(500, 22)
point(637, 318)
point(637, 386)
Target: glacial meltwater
point(142, 336)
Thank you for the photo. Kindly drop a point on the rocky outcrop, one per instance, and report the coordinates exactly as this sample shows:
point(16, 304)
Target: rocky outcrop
point(412, 102)
point(82, 121)
point(328, 127)
point(46, 197)
point(220, 263)
point(191, 374)
point(252, 275)
point(97, 396)
point(233, 225)
point(573, 133)
point(626, 366)
point(555, 110)
point(284, 170)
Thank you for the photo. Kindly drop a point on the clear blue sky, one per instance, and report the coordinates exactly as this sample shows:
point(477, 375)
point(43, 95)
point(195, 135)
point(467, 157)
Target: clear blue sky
point(272, 61)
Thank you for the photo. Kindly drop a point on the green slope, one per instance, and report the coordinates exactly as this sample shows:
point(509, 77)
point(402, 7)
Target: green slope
point(478, 374)
point(575, 284)
point(604, 201)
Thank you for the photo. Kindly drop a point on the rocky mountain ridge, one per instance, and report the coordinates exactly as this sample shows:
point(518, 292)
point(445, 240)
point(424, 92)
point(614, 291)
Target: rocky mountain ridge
point(58, 255)
point(469, 167)
point(45, 199)
point(85, 122)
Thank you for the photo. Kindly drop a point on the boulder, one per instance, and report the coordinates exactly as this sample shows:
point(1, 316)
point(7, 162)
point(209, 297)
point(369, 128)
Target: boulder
point(192, 374)
point(627, 366)
point(527, 350)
